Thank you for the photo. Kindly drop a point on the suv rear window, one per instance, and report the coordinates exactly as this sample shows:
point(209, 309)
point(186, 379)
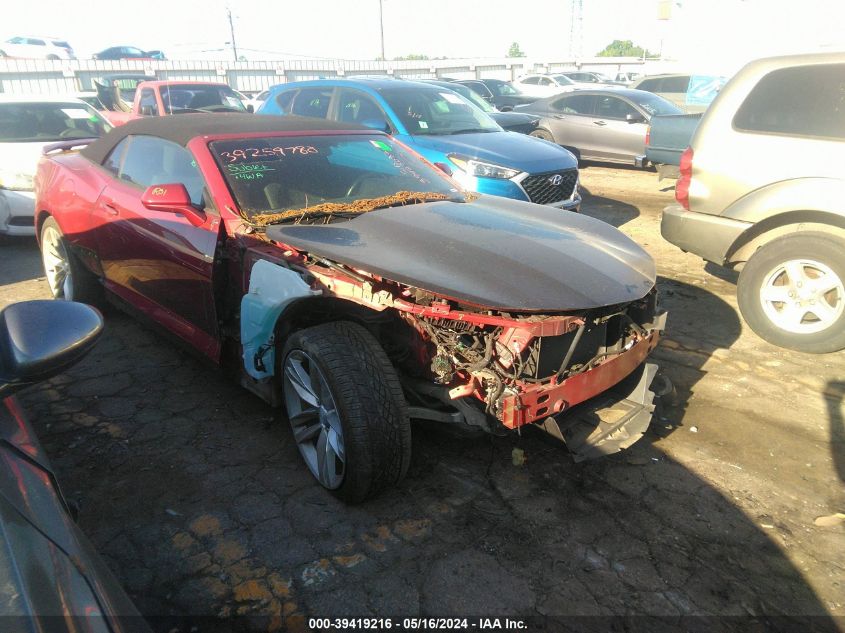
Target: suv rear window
point(805, 100)
point(47, 122)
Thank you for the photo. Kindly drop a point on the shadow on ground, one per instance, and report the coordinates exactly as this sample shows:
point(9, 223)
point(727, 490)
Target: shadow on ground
point(607, 209)
point(19, 251)
point(195, 494)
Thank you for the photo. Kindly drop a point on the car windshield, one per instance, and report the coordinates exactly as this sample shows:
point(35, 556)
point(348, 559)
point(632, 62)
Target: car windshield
point(656, 105)
point(472, 96)
point(47, 122)
point(437, 112)
point(504, 89)
point(322, 178)
point(191, 97)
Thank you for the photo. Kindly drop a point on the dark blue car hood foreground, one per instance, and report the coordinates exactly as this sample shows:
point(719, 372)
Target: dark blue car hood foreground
point(493, 252)
point(509, 149)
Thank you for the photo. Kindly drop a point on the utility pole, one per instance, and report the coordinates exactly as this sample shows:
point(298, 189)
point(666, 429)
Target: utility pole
point(232, 31)
point(381, 26)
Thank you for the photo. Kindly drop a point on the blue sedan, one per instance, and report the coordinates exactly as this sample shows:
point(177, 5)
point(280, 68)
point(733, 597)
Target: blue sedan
point(446, 129)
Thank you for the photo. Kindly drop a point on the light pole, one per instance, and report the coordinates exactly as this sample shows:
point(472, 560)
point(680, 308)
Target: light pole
point(381, 26)
point(232, 31)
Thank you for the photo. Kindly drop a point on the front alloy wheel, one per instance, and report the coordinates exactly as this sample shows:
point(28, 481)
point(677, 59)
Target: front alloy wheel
point(314, 419)
point(346, 409)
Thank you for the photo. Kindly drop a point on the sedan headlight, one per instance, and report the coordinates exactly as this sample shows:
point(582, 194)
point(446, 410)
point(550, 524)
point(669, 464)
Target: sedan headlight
point(481, 169)
point(16, 181)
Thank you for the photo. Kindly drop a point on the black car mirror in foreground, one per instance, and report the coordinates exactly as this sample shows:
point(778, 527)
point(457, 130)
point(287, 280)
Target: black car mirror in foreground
point(39, 339)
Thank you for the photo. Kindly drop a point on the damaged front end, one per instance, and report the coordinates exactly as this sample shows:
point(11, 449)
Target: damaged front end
point(533, 369)
point(486, 370)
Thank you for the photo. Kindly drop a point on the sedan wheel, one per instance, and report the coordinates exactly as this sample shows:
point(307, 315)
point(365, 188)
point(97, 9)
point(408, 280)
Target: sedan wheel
point(314, 418)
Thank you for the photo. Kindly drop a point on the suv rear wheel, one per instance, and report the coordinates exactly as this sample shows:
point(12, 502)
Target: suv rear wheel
point(346, 409)
point(792, 292)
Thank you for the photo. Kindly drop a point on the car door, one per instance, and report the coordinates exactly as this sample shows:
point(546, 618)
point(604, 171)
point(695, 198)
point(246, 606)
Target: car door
point(570, 120)
point(158, 261)
point(614, 137)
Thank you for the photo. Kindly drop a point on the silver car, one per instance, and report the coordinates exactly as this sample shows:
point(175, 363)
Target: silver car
point(604, 125)
point(761, 191)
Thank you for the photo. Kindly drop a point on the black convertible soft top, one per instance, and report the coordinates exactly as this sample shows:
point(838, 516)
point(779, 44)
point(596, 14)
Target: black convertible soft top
point(181, 128)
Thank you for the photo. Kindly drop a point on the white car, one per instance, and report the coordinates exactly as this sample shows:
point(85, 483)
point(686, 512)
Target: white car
point(36, 48)
point(27, 125)
point(257, 101)
point(544, 85)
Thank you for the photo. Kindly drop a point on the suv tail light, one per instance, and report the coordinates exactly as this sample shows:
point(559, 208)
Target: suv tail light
point(682, 186)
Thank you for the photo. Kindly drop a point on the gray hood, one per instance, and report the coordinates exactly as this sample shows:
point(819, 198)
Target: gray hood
point(494, 252)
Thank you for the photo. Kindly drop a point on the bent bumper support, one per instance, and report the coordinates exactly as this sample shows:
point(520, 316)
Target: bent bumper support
point(610, 422)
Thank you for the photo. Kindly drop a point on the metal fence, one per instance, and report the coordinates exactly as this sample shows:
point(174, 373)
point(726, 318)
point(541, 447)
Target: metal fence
point(35, 76)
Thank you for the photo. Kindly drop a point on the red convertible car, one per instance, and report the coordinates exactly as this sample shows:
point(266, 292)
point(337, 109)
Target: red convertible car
point(355, 284)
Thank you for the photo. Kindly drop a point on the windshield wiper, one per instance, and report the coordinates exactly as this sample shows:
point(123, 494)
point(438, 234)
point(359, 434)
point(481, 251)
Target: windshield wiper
point(471, 130)
point(364, 205)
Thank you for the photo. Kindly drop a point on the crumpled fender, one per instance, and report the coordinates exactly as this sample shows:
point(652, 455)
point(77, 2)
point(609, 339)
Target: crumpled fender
point(271, 289)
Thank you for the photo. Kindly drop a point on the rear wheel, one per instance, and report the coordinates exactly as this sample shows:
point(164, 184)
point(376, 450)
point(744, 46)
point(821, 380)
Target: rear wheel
point(346, 409)
point(67, 277)
point(52, 57)
point(792, 292)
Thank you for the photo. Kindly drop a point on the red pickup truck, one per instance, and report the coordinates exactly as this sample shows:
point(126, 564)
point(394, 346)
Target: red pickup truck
point(160, 98)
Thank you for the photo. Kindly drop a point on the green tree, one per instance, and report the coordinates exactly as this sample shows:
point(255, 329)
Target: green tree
point(624, 48)
point(515, 51)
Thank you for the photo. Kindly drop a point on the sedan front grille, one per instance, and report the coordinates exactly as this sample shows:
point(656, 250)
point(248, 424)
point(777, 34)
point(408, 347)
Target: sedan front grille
point(541, 188)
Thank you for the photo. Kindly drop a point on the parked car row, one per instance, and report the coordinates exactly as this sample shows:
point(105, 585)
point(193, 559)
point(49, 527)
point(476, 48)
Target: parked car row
point(53, 49)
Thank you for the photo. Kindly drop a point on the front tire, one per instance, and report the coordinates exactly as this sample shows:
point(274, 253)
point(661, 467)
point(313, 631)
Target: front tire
point(792, 292)
point(68, 279)
point(347, 410)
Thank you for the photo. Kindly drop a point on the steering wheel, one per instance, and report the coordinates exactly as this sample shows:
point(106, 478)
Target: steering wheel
point(360, 180)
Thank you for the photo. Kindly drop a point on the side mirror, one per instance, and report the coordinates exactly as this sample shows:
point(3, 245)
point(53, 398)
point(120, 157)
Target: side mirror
point(376, 124)
point(250, 108)
point(39, 339)
point(635, 118)
point(172, 198)
point(506, 108)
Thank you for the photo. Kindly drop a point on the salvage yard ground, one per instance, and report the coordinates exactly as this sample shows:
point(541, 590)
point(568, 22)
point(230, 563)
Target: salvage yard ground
point(194, 492)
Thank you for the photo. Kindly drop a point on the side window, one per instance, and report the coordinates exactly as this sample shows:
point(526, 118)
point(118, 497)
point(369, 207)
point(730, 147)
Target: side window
point(151, 161)
point(533, 81)
point(115, 157)
point(262, 96)
point(805, 100)
point(148, 104)
point(545, 81)
point(313, 102)
point(284, 99)
point(649, 85)
point(357, 107)
point(613, 108)
point(576, 104)
point(674, 84)
point(36, 42)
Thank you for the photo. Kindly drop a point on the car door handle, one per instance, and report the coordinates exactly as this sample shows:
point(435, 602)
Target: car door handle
point(110, 208)
point(602, 123)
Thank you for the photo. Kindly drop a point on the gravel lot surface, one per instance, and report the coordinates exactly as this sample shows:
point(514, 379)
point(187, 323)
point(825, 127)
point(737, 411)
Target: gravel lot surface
point(193, 490)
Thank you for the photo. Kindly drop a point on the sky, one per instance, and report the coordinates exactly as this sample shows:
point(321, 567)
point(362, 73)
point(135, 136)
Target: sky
point(701, 33)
